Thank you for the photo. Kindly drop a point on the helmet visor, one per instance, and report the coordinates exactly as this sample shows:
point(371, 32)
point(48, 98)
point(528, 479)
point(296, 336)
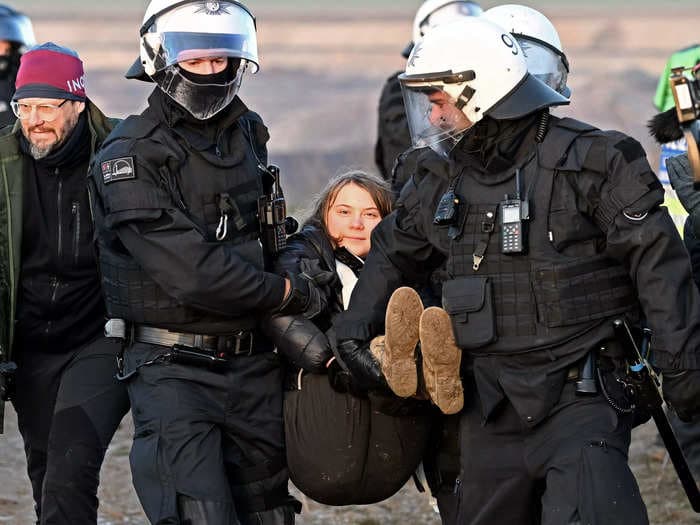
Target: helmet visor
point(434, 118)
point(181, 46)
point(544, 63)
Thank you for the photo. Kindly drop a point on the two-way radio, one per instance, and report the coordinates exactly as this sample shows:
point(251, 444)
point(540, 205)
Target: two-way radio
point(514, 214)
point(272, 214)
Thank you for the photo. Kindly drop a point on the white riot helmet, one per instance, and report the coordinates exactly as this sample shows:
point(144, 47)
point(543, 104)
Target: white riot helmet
point(539, 40)
point(461, 71)
point(434, 12)
point(175, 31)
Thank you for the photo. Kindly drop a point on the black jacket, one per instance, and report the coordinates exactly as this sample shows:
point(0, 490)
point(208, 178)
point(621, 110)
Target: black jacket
point(303, 342)
point(60, 304)
point(158, 219)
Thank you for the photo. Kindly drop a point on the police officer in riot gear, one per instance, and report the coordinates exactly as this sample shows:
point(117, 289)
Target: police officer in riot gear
point(16, 36)
point(176, 193)
point(551, 229)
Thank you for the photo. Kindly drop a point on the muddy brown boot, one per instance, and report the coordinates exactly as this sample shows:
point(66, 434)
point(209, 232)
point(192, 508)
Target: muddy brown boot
point(441, 360)
point(396, 350)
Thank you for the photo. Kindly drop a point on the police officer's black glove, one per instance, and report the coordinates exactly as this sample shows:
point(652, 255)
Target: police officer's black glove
point(355, 357)
point(681, 177)
point(303, 298)
point(299, 340)
point(681, 390)
point(7, 380)
point(341, 381)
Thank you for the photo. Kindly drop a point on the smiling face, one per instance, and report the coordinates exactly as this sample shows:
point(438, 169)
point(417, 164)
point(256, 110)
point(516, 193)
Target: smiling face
point(351, 217)
point(45, 136)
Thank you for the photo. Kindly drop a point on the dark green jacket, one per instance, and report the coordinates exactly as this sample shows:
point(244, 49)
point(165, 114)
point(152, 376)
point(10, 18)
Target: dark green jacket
point(11, 169)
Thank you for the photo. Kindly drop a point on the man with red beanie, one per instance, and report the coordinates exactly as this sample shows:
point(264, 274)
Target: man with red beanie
point(67, 399)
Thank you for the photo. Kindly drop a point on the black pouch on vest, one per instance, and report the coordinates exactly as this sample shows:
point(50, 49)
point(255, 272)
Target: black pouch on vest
point(469, 301)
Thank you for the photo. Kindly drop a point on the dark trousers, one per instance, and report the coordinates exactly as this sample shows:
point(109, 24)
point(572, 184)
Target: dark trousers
point(208, 444)
point(68, 407)
point(441, 465)
point(570, 469)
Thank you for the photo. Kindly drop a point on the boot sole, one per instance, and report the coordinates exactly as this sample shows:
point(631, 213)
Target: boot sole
point(402, 332)
point(441, 360)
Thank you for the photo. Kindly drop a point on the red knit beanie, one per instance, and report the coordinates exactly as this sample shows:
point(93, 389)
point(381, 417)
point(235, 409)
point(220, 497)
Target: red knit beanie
point(50, 71)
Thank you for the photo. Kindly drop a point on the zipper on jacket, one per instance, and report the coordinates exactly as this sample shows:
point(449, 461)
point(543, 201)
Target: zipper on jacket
point(75, 211)
point(60, 216)
point(54, 284)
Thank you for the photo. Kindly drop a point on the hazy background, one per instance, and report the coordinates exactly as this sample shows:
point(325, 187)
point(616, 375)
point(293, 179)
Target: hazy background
point(323, 64)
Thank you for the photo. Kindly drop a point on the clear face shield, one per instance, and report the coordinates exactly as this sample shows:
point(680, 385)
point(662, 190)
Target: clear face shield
point(435, 118)
point(545, 63)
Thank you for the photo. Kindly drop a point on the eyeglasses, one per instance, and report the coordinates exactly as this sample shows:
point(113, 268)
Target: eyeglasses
point(45, 112)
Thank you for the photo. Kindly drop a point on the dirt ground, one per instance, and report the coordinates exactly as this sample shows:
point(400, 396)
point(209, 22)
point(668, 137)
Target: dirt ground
point(317, 90)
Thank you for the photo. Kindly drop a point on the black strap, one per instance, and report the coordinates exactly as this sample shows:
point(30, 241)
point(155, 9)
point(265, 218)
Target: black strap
point(348, 259)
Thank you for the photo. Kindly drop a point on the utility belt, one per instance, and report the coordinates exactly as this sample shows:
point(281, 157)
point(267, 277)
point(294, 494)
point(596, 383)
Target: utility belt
point(220, 346)
point(211, 351)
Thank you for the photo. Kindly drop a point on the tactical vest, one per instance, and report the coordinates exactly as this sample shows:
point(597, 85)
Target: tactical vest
point(541, 299)
point(219, 194)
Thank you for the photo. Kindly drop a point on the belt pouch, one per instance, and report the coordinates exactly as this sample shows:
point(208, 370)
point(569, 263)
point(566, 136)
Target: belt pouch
point(469, 301)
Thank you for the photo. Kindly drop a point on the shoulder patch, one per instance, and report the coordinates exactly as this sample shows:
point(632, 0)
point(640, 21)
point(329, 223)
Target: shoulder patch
point(631, 149)
point(115, 170)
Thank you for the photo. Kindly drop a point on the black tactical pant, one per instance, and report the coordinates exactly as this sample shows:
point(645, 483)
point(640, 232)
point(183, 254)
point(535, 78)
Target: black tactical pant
point(68, 407)
point(208, 444)
point(441, 465)
point(570, 469)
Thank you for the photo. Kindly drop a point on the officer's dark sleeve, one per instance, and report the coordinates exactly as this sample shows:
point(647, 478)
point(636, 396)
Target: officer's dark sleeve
point(692, 244)
point(208, 275)
point(402, 252)
point(641, 234)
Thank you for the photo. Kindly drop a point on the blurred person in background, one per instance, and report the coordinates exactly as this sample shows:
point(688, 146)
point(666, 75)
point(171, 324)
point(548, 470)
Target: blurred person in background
point(16, 36)
point(666, 129)
point(183, 261)
point(663, 102)
point(67, 399)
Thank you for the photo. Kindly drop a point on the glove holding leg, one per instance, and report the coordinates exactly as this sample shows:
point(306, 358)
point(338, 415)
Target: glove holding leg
point(356, 358)
point(681, 391)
